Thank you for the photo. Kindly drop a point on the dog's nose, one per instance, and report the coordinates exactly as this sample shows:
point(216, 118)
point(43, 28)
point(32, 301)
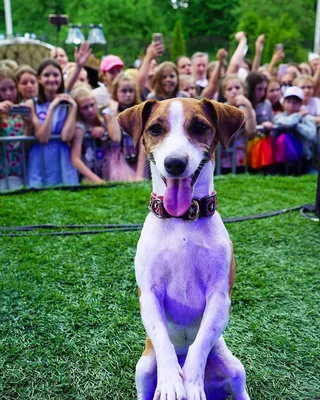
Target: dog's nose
point(175, 166)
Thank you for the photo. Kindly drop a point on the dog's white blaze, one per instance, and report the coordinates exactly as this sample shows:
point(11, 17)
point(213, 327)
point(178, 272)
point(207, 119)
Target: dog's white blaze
point(176, 143)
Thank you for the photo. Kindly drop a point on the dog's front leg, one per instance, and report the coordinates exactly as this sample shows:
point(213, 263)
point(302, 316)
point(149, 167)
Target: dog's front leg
point(169, 373)
point(214, 321)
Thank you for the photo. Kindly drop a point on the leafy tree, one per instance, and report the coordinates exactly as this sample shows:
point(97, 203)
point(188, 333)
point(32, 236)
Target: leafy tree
point(178, 46)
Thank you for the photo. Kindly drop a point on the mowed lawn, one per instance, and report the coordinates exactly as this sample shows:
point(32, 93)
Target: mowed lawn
point(69, 316)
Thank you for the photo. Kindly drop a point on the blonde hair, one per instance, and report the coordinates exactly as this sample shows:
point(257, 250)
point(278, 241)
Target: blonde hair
point(183, 78)
point(301, 78)
point(7, 63)
point(124, 77)
point(83, 91)
point(229, 78)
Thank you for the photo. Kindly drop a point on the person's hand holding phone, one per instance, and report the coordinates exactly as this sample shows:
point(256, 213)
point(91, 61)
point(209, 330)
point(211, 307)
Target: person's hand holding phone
point(157, 41)
point(5, 106)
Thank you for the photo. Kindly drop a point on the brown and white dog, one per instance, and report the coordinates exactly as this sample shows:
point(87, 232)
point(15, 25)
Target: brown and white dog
point(184, 262)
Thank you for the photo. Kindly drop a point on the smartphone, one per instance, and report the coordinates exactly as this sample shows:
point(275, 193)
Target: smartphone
point(282, 70)
point(20, 110)
point(279, 46)
point(157, 37)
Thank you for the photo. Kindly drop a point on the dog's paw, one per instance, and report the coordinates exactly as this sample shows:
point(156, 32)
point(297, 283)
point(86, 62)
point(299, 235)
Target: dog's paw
point(194, 390)
point(193, 380)
point(170, 385)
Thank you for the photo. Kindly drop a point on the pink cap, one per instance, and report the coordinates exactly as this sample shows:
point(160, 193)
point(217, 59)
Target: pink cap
point(109, 62)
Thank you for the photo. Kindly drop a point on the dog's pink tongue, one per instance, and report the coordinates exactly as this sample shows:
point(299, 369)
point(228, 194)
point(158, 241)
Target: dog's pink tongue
point(178, 196)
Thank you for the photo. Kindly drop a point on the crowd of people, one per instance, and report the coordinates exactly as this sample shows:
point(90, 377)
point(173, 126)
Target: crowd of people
point(80, 140)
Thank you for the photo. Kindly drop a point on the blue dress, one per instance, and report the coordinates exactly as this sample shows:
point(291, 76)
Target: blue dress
point(50, 164)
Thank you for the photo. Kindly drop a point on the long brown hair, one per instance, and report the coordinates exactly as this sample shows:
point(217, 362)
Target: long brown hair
point(48, 61)
point(157, 80)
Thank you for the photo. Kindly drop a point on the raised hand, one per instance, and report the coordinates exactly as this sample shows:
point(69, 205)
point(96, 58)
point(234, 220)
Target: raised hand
point(82, 54)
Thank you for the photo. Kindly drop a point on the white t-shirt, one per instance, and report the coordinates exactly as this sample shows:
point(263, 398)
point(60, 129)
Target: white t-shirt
point(313, 107)
point(101, 94)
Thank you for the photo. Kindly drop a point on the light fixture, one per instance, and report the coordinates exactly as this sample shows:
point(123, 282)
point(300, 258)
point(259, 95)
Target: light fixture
point(75, 36)
point(96, 35)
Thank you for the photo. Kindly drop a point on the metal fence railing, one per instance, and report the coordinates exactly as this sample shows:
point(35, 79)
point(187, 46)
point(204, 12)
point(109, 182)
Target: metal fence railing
point(26, 142)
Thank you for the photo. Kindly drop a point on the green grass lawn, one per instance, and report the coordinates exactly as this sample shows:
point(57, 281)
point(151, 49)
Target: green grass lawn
point(69, 317)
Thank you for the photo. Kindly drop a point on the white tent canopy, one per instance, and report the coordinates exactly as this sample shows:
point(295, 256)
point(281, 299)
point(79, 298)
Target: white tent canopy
point(25, 51)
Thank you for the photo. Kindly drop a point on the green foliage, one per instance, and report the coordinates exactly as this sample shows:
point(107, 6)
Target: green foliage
point(178, 45)
point(207, 25)
point(285, 23)
point(70, 327)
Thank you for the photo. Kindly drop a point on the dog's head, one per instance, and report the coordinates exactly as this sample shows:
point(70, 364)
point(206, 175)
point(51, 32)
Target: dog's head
point(177, 135)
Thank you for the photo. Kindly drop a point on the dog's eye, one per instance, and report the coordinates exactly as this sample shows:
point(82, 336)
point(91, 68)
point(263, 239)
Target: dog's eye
point(155, 130)
point(199, 128)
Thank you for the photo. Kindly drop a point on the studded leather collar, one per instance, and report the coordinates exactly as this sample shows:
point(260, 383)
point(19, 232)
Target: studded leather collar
point(199, 208)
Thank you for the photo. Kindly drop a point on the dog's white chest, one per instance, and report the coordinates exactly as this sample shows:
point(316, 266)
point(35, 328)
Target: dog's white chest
point(182, 262)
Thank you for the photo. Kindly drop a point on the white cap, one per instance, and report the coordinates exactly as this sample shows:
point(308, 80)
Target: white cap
point(293, 91)
point(313, 56)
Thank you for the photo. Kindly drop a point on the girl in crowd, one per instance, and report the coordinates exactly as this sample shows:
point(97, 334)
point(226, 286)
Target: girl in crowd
point(123, 162)
point(233, 89)
point(11, 124)
point(274, 95)
point(187, 84)
point(86, 157)
point(166, 82)
point(27, 83)
point(311, 103)
point(53, 114)
point(110, 67)
point(257, 87)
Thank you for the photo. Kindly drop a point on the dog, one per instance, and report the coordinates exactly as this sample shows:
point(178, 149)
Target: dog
point(184, 262)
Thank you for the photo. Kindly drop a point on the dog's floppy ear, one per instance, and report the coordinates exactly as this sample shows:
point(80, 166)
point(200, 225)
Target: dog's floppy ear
point(133, 120)
point(228, 119)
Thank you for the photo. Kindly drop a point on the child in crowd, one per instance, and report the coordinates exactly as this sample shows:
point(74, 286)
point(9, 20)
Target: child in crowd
point(274, 95)
point(27, 83)
point(233, 89)
point(11, 124)
point(184, 65)
point(86, 157)
point(166, 82)
point(110, 67)
point(123, 162)
point(302, 125)
point(53, 114)
point(311, 103)
point(257, 87)
point(187, 84)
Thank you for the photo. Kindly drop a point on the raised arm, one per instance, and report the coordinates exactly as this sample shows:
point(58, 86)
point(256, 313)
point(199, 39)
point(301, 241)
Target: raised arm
point(278, 56)
point(154, 50)
point(110, 117)
point(257, 57)
point(213, 84)
point(238, 55)
point(81, 56)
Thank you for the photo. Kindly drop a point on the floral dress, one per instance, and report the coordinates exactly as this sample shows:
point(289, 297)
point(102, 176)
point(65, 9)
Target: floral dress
point(11, 153)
